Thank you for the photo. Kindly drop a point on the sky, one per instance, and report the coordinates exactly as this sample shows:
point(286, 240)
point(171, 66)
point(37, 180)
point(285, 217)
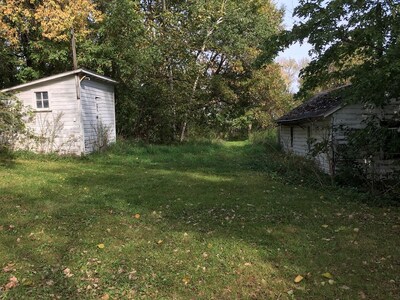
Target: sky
point(296, 51)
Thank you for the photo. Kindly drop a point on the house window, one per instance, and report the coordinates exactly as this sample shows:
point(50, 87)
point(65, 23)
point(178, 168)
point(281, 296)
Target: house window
point(390, 137)
point(42, 100)
point(291, 136)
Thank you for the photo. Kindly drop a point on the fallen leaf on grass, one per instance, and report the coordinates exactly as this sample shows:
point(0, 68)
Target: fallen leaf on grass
point(26, 282)
point(185, 281)
point(100, 246)
point(345, 287)
point(137, 216)
point(12, 283)
point(362, 295)
point(298, 278)
point(67, 273)
point(132, 275)
point(105, 297)
point(327, 275)
point(325, 226)
point(50, 282)
point(9, 268)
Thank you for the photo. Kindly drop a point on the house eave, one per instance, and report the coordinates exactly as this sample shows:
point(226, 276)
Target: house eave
point(61, 75)
point(303, 119)
point(299, 120)
point(333, 110)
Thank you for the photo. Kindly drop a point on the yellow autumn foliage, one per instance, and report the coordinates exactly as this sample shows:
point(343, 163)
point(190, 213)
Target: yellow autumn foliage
point(59, 17)
point(56, 18)
point(15, 18)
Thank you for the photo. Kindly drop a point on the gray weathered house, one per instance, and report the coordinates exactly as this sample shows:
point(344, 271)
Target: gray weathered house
point(74, 112)
point(325, 119)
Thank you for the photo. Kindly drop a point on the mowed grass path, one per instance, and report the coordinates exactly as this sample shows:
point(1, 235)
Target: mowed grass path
point(205, 221)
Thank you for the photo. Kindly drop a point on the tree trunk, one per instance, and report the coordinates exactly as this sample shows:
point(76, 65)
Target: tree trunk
point(196, 82)
point(73, 46)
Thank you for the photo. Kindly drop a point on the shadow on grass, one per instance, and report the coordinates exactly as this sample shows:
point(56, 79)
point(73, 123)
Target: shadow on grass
point(214, 192)
point(7, 159)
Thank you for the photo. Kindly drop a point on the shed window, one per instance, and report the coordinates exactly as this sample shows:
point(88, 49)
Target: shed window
point(42, 99)
point(309, 137)
point(390, 137)
point(291, 136)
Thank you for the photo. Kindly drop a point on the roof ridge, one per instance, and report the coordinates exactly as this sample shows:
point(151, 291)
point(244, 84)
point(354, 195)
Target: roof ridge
point(320, 105)
point(59, 75)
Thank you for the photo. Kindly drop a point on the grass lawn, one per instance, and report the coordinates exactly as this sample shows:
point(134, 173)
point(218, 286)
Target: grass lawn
point(197, 221)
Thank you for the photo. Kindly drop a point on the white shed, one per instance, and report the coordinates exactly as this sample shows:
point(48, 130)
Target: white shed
point(326, 118)
point(74, 112)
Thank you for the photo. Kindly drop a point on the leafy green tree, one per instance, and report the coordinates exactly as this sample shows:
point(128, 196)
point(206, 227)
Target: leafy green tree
point(173, 56)
point(356, 41)
point(179, 63)
point(13, 118)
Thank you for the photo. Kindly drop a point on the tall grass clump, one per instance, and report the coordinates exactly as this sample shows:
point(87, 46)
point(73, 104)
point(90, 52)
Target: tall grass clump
point(292, 168)
point(268, 137)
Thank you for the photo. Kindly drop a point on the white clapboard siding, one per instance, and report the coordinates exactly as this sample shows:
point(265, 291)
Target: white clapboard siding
point(347, 118)
point(392, 109)
point(62, 102)
point(98, 110)
point(334, 128)
point(354, 117)
point(319, 131)
point(79, 101)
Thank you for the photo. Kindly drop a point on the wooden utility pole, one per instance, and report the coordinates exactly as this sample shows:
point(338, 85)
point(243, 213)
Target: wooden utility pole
point(73, 45)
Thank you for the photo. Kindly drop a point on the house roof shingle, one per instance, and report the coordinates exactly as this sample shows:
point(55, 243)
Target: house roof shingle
point(321, 105)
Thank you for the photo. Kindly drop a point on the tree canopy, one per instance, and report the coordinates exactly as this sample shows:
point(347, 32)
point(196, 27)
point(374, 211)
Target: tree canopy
point(353, 41)
point(183, 67)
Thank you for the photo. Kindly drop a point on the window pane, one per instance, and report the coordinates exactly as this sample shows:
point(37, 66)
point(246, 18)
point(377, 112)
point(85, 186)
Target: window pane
point(39, 104)
point(38, 96)
point(45, 95)
point(46, 103)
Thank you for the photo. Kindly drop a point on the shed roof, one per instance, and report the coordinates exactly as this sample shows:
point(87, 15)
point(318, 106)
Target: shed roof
point(319, 106)
point(61, 75)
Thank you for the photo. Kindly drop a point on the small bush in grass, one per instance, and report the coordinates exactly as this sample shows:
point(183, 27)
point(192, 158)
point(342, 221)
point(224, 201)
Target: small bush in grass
point(13, 118)
point(296, 169)
point(267, 137)
point(292, 168)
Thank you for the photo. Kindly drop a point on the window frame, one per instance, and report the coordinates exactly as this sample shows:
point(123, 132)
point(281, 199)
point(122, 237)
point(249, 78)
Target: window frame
point(291, 136)
point(42, 100)
point(309, 136)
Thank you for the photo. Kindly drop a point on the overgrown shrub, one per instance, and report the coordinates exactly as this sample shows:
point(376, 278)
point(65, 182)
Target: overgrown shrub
point(13, 117)
point(292, 168)
point(102, 133)
point(266, 137)
point(370, 160)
